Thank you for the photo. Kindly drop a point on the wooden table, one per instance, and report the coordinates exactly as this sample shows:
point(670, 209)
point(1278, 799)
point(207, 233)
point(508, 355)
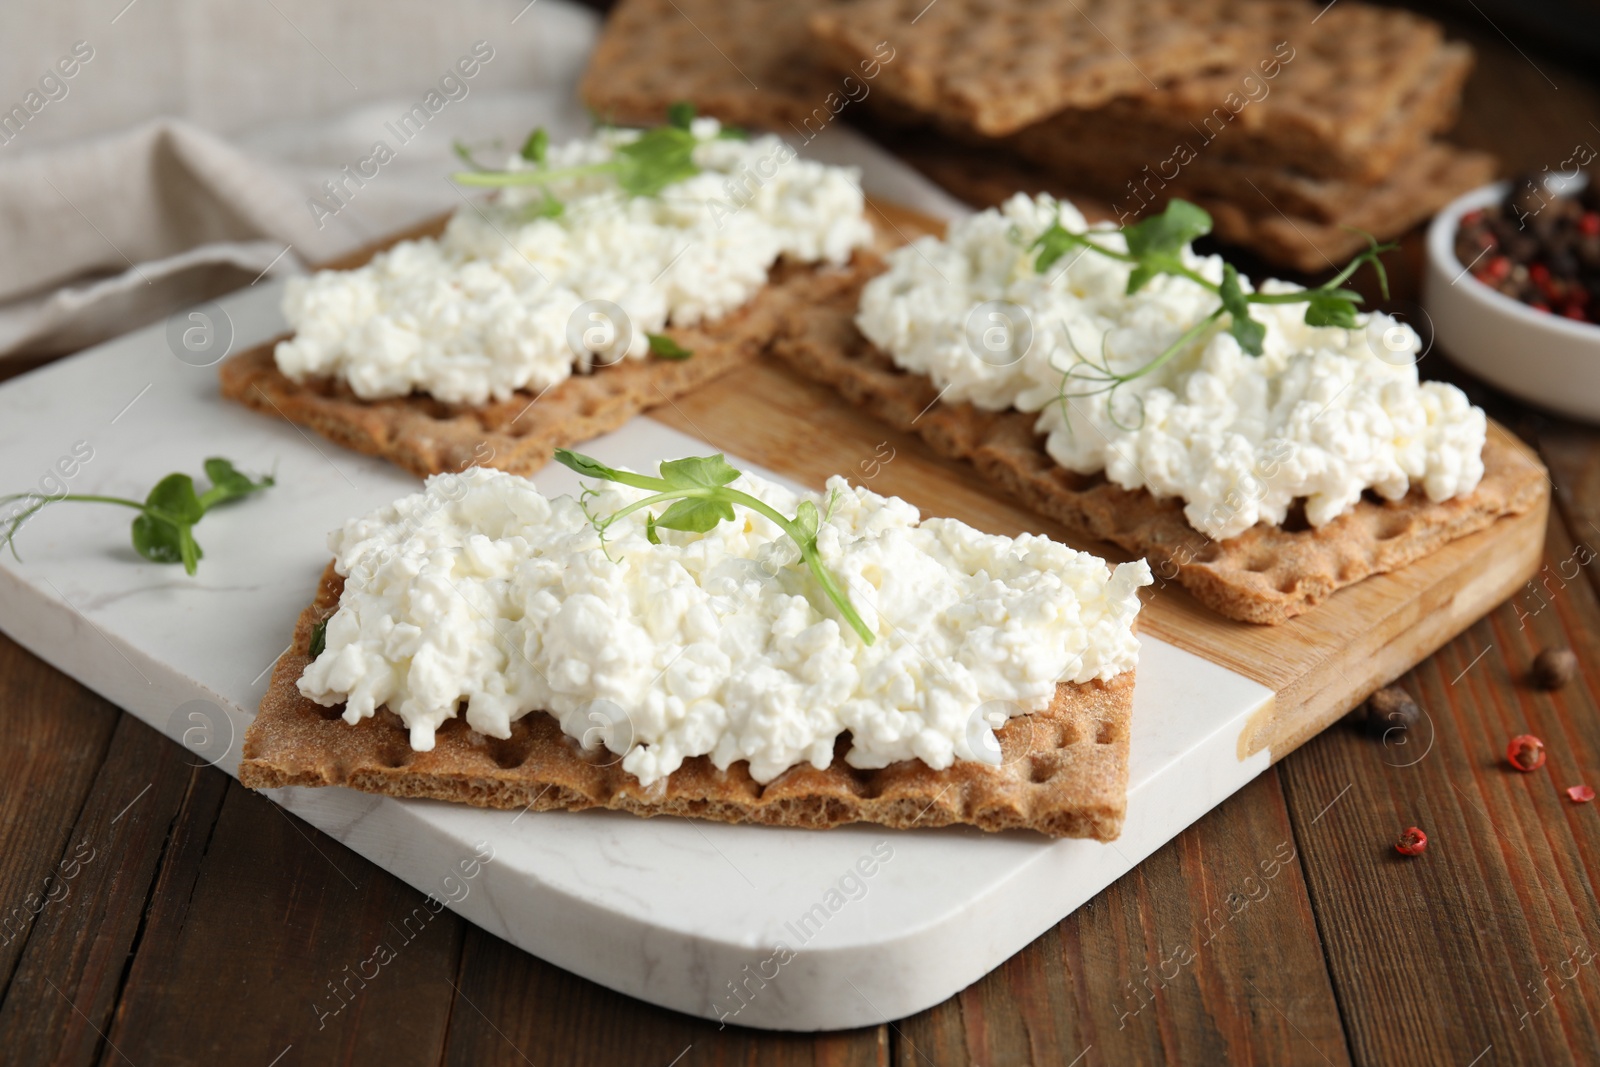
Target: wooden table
point(156, 913)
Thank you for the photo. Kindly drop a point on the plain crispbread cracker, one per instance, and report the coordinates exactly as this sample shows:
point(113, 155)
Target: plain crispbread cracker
point(1341, 106)
point(1412, 195)
point(743, 61)
point(1440, 174)
point(1064, 770)
point(1074, 137)
point(427, 436)
point(998, 65)
point(1268, 574)
point(1117, 153)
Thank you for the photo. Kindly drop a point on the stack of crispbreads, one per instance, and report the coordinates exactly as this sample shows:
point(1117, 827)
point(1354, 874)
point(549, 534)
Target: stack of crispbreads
point(1295, 124)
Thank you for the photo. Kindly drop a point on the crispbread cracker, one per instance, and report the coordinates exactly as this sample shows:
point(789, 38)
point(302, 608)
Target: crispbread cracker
point(1064, 770)
point(1359, 75)
point(427, 436)
point(998, 65)
point(743, 61)
point(1267, 574)
point(1401, 94)
point(1417, 190)
point(1123, 158)
point(1413, 195)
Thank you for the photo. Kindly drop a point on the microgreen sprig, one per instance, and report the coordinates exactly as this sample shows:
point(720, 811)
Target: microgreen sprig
point(700, 498)
point(1155, 247)
point(642, 167)
point(163, 531)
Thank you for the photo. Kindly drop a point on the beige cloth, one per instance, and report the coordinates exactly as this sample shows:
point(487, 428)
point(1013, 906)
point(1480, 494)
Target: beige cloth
point(174, 151)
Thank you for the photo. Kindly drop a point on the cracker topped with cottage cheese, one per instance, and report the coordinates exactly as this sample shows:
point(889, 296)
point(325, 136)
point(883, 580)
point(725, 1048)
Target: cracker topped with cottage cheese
point(480, 597)
point(1321, 415)
point(568, 274)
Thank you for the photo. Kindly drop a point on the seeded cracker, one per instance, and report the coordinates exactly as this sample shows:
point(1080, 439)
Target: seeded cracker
point(1064, 770)
point(1268, 574)
point(426, 436)
point(998, 65)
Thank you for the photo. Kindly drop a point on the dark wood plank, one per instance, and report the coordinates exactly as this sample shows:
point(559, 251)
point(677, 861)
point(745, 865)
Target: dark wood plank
point(58, 736)
point(512, 1008)
point(1442, 957)
point(284, 924)
point(66, 983)
point(1206, 952)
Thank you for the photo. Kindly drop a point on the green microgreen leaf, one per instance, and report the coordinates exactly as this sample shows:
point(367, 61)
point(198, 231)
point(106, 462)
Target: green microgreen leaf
point(1247, 331)
point(680, 114)
point(175, 495)
point(806, 522)
point(319, 638)
point(659, 158)
point(535, 147)
point(666, 348)
point(163, 531)
point(589, 468)
point(464, 153)
point(1335, 307)
point(695, 514)
point(1166, 234)
point(1052, 244)
point(701, 497)
point(706, 471)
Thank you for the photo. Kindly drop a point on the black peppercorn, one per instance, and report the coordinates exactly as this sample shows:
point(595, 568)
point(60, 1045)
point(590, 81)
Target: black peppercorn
point(1391, 708)
point(1554, 668)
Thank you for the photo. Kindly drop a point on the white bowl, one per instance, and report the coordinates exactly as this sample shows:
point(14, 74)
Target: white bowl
point(1548, 359)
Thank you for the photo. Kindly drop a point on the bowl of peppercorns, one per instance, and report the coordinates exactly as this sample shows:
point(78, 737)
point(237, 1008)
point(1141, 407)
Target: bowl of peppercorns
point(1513, 289)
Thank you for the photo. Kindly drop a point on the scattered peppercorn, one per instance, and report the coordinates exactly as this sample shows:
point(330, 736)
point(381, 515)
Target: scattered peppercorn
point(1412, 842)
point(1554, 668)
point(1581, 794)
point(1525, 752)
point(1537, 247)
point(1390, 708)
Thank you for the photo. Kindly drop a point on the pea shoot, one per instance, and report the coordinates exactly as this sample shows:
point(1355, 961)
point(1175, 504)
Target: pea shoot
point(163, 531)
point(699, 497)
point(643, 167)
point(1155, 247)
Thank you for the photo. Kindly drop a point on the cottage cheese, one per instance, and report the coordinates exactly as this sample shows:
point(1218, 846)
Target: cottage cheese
point(493, 306)
point(479, 589)
point(1323, 414)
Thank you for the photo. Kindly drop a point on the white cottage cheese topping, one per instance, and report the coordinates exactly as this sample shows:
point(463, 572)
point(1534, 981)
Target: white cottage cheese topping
point(479, 589)
point(493, 305)
point(1323, 414)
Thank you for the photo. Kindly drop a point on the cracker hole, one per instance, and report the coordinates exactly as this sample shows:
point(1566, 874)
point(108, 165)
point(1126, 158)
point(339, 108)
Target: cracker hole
point(1106, 734)
point(511, 752)
point(1262, 563)
point(1041, 769)
point(1393, 526)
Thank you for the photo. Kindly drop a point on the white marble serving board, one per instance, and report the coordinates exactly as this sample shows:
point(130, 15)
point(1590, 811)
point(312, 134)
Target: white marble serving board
point(681, 913)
